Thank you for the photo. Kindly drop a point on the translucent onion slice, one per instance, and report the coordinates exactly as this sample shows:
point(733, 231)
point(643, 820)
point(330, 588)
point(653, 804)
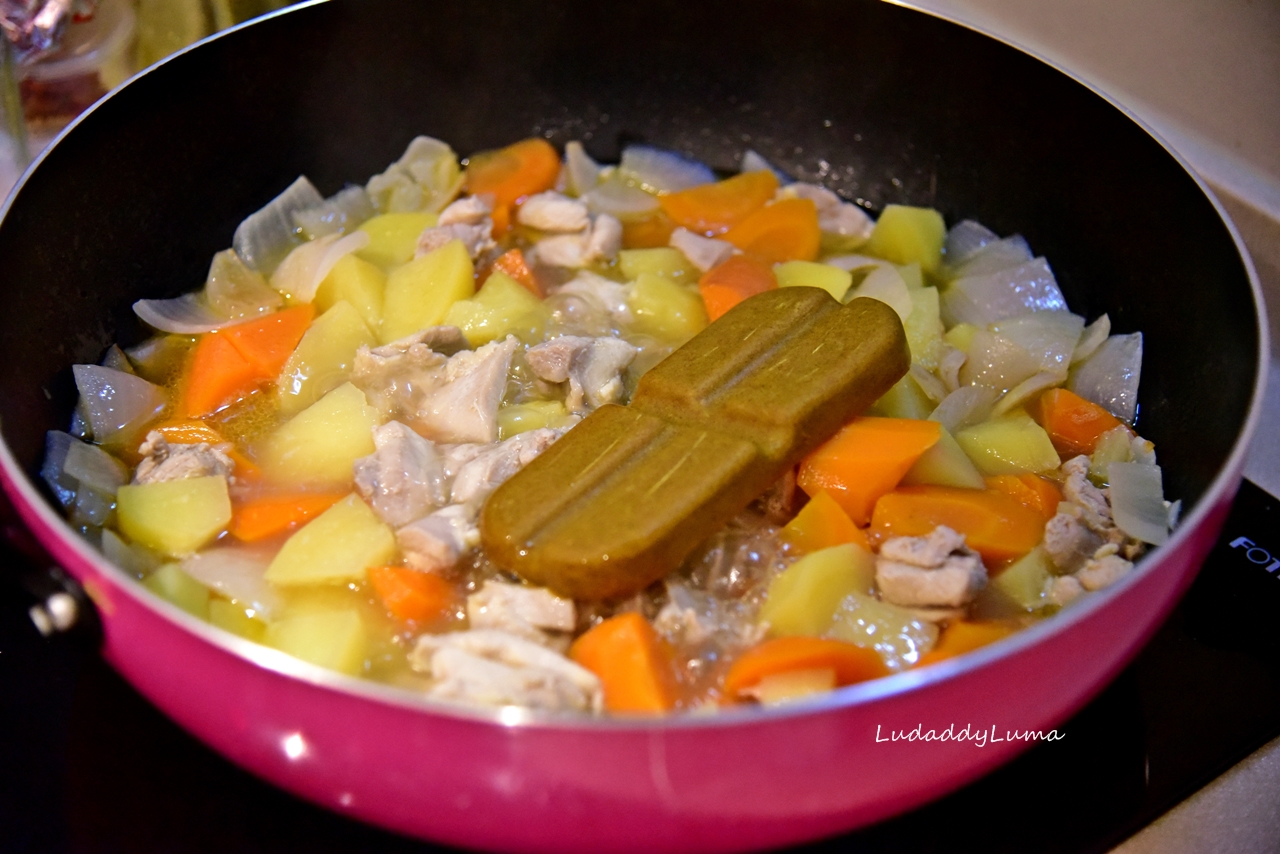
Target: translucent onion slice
point(92, 508)
point(425, 178)
point(133, 559)
point(964, 407)
point(339, 214)
point(1028, 389)
point(266, 236)
point(1094, 334)
point(581, 172)
point(928, 382)
point(237, 573)
point(981, 300)
point(1050, 335)
point(614, 196)
point(660, 171)
point(188, 314)
point(997, 362)
point(95, 468)
point(1110, 376)
point(118, 403)
point(995, 256)
point(1137, 501)
point(300, 274)
point(53, 470)
point(235, 291)
point(882, 281)
point(754, 161)
point(964, 240)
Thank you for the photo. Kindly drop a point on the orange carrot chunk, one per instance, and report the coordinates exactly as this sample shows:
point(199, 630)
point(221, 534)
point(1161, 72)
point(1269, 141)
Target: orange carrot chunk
point(218, 376)
point(713, 209)
point(513, 263)
point(509, 174)
point(961, 637)
point(866, 459)
point(267, 342)
point(633, 663)
point(647, 233)
point(1036, 492)
point(725, 285)
point(821, 524)
point(783, 231)
point(265, 517)
point(850, 663)
point(994, 524)
point(186, 431)
point(413, 596)
point(1074, 424)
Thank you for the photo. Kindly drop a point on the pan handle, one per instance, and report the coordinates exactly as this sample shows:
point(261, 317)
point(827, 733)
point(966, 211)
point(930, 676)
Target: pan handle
point(57, 605)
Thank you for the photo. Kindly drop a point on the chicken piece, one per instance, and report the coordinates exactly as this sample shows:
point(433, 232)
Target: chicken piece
point(779, 501)
point(472, 210)
point(611, 295)
point(435, 542)
point(164, 461)
point(468, 220)
point(835, 215)
point(555, 212)
point(529, 612)
point(1077, 489)
point(937, 571)
point(1068, 542)
point(483, 473)
point(1100, 572)
point(591, 366)
point(405, 478)
point(693, 617)
point(1064, 589)
point(496, 668)
point(702, 252)
point(600, 242)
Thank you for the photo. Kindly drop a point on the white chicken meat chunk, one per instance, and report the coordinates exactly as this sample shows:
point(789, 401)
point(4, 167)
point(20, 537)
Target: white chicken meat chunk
point(1068, 542)
point(555, 212)
point(164, 461)
point(529, 612)
point(469, 220)
point(496, 668)
point(835, 215)
point(702, 252)
point(405, 478)
point(611, 295)
point(592, 366)
point(599, 242)
point(937, 571)
point(435, 542)
point(484, 472)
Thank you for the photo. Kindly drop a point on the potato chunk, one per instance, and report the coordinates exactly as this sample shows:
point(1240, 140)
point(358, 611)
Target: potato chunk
point(320, 444)
point(335, 547)
point(335, 639)
point(174, 517)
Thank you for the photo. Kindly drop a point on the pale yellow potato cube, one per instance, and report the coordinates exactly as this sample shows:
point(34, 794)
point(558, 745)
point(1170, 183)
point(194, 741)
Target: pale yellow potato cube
point(803, 599)
point(659, 261)
point(358, 282)
point(336, 547)
point(669, 311)
point(323, 358)
point(171, 583)
point(907, 235)
point(500, 308)
point(333, 639)
point(320, 444)
point(1011, 444)
point(393, 237)
point(419, 293)
point(235, 619)
point(174, 517)
point(945, 464)
point(810, 274)
point(518, 417)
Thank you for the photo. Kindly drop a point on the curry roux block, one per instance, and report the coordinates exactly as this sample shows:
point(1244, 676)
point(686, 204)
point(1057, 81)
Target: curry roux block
point(622, 498)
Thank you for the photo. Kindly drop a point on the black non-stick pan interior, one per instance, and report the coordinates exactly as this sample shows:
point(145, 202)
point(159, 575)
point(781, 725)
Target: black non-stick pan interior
point(882, 103)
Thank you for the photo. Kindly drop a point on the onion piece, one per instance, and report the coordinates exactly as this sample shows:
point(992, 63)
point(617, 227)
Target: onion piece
point(115, 359)
point(235, 291)
point(133, 559)
point(1028, 388)
point(1050, 335)
point(754, 161)
point(964, 240)
point(300, 274)
point(995, 256)
point(882, 281)
point(95, 468)
point(581, 172)
point(425, 178)
point(964, 407)
point(266, 236)
point(53, 470)
point(92, 508)
point(1137, 501)
point(119, 403)
point(341, 213)
point(188, 314)
point(928, 382)
point(1094, 334)
point(1110, 376)
point(657, 170)
point(614, 196)
point(981, 300)
point(996, 362)
point(236, 572)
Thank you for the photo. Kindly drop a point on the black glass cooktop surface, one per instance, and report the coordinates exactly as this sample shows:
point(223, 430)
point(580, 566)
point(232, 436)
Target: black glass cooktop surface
point(89, 766)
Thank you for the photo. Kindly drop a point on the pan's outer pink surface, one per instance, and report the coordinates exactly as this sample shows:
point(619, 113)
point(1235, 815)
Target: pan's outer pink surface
point(743, 782)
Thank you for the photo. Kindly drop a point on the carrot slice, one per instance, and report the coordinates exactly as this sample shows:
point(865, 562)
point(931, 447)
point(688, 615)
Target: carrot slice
point(187, 432)
point(413, 596)
point(513, 263)
point(267, 342)
point(822, 523)
point(727, 284)
point(783, 231)
point(265, 517)
point(1036, 492)
point(633, 663)
point(713, 209)
point(995, 525)
point(509, 174)
point(866, 459)
point(961, 637)
point(218, 376)
point(1074, 424)
point(648, 233)
point(850, 663)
